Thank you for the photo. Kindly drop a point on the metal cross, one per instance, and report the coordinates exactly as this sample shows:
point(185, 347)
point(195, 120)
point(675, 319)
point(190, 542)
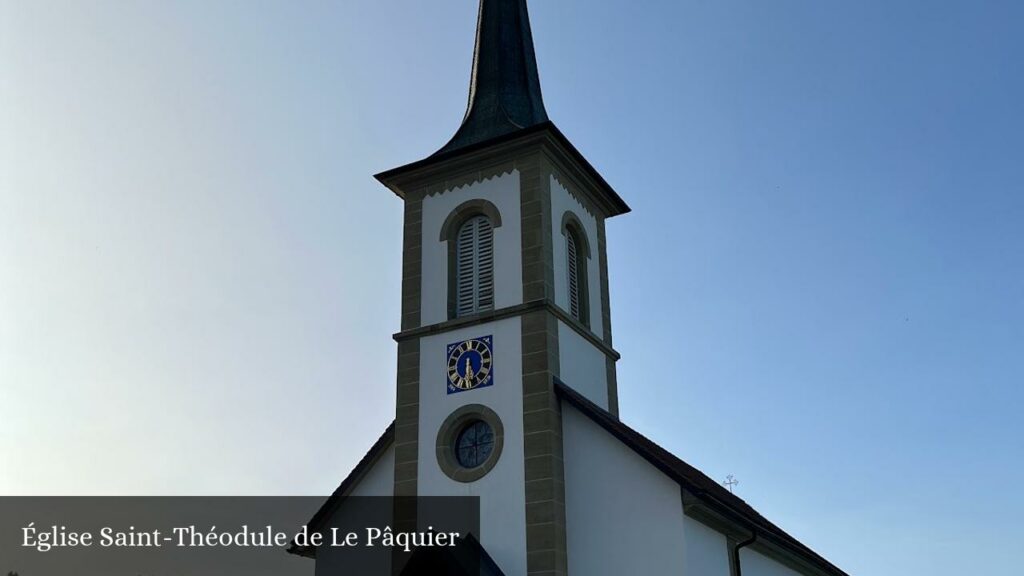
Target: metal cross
point(730, 482)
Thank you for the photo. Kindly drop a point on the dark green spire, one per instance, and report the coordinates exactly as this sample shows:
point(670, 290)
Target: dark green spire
point(504, 92)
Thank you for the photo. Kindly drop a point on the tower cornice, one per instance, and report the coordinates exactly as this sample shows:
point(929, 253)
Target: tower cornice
point(544, 304)
point(546, 137)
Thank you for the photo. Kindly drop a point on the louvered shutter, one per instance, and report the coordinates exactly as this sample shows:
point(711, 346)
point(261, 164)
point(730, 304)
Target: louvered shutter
point(485, 265)
point(474, 266)
point(464, 263)
point(573, 266)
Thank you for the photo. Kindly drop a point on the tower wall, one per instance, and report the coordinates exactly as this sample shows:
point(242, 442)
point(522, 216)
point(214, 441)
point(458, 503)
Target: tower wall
point(502, 191)
point(534, 339)
point(561, 202)
point(582, 366)
point(585, 365)
point(501, 490)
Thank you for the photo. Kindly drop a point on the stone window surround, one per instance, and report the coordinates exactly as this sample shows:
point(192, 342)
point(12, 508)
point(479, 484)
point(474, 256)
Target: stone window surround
point(447, 436)
point(450, 229)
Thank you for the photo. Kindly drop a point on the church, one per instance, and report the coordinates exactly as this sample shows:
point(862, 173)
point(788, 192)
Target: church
point(506, 380)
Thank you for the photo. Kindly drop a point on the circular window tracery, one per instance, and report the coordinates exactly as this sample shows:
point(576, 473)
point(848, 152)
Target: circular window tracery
point(474, 444)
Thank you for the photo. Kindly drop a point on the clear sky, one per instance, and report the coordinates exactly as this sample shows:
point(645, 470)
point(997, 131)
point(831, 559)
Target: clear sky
point(820, 288)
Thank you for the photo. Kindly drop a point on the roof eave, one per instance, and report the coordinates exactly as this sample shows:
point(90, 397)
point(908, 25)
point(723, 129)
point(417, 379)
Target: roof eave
point(398, 179)
point(345, 488)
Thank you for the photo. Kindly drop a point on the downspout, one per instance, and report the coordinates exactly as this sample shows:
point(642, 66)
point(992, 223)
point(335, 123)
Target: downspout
point(738, 571)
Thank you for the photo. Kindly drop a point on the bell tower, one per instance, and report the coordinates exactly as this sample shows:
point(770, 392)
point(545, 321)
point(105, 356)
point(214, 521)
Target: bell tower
point(504, 290)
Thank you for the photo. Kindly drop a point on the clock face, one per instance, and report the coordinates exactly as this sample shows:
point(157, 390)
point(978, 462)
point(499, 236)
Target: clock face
point(469, 364)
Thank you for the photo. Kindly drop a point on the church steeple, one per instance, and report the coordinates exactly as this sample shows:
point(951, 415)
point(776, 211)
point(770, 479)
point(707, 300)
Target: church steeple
point(504, 294)
point(504, 91)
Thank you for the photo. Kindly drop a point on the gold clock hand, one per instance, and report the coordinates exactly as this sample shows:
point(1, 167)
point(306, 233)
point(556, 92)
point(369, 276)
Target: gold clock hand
point(469, 373)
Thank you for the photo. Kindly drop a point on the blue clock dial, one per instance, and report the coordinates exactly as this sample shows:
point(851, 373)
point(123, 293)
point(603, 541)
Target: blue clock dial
point(470, 364)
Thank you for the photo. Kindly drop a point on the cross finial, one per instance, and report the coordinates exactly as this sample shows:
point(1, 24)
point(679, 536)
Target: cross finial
point(730, 482)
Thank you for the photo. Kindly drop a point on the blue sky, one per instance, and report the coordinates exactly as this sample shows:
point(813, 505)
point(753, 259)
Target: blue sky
point(820, 288)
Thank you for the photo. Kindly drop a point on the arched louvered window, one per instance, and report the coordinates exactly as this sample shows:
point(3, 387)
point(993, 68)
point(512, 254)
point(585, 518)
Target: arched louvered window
point(574, 275)
point(577, 253)
point(474, 266)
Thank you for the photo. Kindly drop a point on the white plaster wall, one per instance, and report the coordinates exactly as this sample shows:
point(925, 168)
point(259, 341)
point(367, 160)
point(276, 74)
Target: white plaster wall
point(380, 478)
point(503, 192)
point(378, 481)
point(623, 516)
point(502, 491)
point(756, 564)
point(705, 550)
point(582, 366)
point(561, 202)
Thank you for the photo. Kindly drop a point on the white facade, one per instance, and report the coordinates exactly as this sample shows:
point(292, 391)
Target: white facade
point(705, 550)
point(503, 192)
point(582, 365)
point(756, 564)
point(622, 515)
point(379, 480)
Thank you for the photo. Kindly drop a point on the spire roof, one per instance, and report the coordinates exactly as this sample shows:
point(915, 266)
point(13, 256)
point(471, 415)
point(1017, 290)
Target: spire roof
point(505, 111)
point(504, 92)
